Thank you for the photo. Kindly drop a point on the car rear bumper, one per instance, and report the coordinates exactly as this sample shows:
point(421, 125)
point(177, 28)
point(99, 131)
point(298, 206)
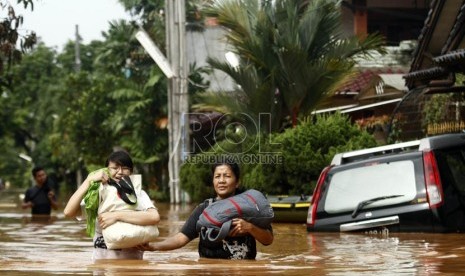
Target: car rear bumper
point(366, 224)
point(411, 218)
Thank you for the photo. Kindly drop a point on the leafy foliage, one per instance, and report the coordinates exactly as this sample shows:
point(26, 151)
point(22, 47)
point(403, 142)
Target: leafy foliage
point(80, 134)
point(292, 55)
point(196, 180)
point(10, 36)
point(69, 120)
point(26, 109)
point(310, 146)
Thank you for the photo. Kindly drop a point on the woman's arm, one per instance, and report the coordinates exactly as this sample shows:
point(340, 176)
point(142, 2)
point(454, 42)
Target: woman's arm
point(73, 207)
point(173, 242)
point(145, 214)
point(188, 232)
point(241, 227)
point(149, 217)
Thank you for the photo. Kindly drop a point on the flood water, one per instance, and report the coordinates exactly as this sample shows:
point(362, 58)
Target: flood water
point(59, 246)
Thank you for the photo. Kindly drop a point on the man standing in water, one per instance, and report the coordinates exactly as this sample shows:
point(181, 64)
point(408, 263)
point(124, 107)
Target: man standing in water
point(40, 198)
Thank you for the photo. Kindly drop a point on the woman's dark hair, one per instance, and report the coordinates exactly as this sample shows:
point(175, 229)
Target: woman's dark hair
point(120, 158)
point(233, 165)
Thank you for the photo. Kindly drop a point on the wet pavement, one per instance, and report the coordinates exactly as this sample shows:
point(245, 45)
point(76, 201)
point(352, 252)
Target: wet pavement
point(59, 246)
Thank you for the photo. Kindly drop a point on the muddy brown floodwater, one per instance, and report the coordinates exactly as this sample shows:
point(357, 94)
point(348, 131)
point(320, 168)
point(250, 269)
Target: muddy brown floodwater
point(59, 246)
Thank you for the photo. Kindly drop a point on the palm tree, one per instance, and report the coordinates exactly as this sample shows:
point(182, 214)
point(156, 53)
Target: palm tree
point(292, 55)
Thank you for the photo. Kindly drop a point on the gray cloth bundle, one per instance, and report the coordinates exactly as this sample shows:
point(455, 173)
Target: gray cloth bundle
point(250, 205)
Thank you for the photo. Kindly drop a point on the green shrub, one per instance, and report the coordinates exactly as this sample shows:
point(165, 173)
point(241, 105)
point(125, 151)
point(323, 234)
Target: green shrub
point(310, 146)
point(196, 180)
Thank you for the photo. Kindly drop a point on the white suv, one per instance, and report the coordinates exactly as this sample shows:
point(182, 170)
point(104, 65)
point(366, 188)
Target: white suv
point(411, 186)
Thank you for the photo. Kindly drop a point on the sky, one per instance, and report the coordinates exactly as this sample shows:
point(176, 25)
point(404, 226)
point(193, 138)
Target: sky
point(54, 21)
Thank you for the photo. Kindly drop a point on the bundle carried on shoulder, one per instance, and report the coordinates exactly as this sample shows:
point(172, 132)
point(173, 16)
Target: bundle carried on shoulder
point(215, 221)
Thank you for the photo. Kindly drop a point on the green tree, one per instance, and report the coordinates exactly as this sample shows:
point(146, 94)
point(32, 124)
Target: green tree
point(436, 108)
point(10, 37)
point(120, 100)
point(28, 107)
point(13, 131)
point(81, 136)
point(117, 102)
point(292, 55)
point(306, 150)
point(69, 121)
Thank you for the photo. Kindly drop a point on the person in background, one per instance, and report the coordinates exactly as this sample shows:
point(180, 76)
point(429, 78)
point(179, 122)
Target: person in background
point(241, 242)
point(41, 197)
point(119, 164)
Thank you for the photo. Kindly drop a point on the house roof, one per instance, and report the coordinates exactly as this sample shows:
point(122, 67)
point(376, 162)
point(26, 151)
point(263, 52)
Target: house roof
point(371, 105)
point(331, 109)
point(454, 59)
point(439, 44)
point(355, 107)
point(368, 77)
point(439, 55)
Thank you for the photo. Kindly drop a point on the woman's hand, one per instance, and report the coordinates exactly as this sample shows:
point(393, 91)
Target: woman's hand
point(146, 247)
point(98, 176)
point(106, 219)
point(240, 227)
point(173, 242)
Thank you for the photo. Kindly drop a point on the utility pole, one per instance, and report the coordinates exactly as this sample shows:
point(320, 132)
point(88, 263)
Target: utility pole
point(77, 66)
point(77, 50)
point(175, 69)
point(178, 119)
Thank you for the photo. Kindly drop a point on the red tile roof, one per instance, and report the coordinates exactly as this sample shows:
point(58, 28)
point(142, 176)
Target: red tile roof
point(364, 78)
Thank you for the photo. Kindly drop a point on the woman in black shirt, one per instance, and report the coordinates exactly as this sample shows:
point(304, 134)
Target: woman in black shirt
point(241, 241)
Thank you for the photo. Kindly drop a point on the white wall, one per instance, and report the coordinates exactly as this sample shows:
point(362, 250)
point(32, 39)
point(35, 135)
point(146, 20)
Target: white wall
point(210, 43)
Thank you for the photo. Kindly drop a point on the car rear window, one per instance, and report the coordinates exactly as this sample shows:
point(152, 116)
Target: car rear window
point(452, 168)
point(348, 188)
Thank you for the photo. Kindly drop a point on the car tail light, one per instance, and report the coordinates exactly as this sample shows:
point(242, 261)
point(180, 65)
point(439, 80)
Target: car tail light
point(316, 197)
point(433, 181)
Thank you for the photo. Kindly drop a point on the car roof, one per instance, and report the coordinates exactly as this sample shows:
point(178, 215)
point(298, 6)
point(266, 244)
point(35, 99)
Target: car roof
point(434, 142)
